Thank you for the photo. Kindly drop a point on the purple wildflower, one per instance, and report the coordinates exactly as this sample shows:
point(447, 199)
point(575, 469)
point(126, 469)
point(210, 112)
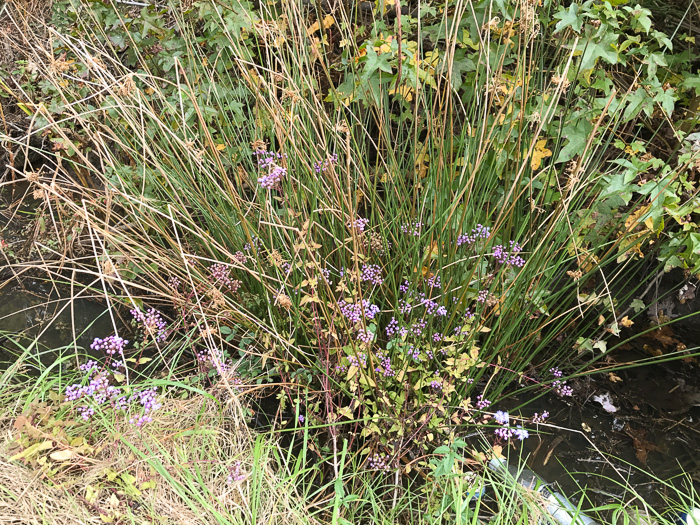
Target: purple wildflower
point(110, 345)
point(151, 322)
point(353, 312)
point(501, 417)
point(482, 402)
point(521, 433)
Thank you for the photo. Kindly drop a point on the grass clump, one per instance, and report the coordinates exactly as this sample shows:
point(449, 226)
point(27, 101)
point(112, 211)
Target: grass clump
point(395, 220)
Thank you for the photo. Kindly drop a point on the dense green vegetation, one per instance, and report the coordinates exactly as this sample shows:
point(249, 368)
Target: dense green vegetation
point(388, 224)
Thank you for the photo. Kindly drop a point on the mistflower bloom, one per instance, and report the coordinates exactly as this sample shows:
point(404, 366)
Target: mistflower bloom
point(504, 432)
point(434, 281)
point(372, 273)
point(418, 327)
point(378, 462)
point(235, 474)
point(358, 224)
point(403, 288)
point(537, 418)
point(437, 337)
point(392, 327)
point(219, 274)
point(240, 257)
point(555, 372)
point(353, 312)
point(480, 232)
point(562, 389)
point(301, 418)
point(412, 228)
point(384, 367)
point(151, 322)
point(501, 417)
point(509, 258)
point(110, 345)
point(174, 282)
point(321, 166)
point(482, 402)
point(147, 399)
point(365, 336)
point(359, 361)
point(413, 352)
point(521, 433)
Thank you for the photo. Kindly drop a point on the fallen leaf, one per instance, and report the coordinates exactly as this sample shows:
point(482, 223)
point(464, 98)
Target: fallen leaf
point(626, 322)
point(539, 153)
point(62, 455)
point(614, 378)
point(328, 21)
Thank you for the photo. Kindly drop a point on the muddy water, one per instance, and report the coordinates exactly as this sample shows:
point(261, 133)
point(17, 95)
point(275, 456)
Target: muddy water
point(37, 311)
point(644, 418)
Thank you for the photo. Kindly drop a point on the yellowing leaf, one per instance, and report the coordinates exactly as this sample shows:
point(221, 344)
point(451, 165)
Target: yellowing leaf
point(62, 455)
point(328, 21)
point(221, 147)
point(405, 91)
point(33, 450)
point(539, 153)
point(626, 322)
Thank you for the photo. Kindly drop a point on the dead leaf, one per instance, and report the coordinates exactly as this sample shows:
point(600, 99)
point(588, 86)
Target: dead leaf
point(614, 378)
point(540, 152)
point(62, 455)
point(626, 322)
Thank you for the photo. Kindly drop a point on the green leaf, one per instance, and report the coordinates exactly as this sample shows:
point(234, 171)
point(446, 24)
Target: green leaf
point(577, 136)
point(637, 305)
point(570, 17)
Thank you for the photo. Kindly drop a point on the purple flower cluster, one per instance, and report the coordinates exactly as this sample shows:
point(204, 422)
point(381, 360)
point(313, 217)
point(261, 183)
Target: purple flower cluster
point(215, 358)
point(220, 275)
point(353, 312)
point(174, 282)
point(480, 232)
point(359, 224)
point(372, 273)
point(240, 257)
point(321, 166)
point(109, 345)
point(511, 258)
point(235, 473)
point(359, 361)
point(384, 367)
point(436, 384)
point(392, 328)
point(483, 295)
point(562, 389)
point(482, 402)
point(147, 399)
point(269, 161)
point(99, 392)
point(437, 337)
point(540, 418)
point(413, 352)
point(505, 432)
point(378, 462)
point(365, 336)
point(403, 288)
point(412, 228)
point(151, 322)
point(434, 281)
